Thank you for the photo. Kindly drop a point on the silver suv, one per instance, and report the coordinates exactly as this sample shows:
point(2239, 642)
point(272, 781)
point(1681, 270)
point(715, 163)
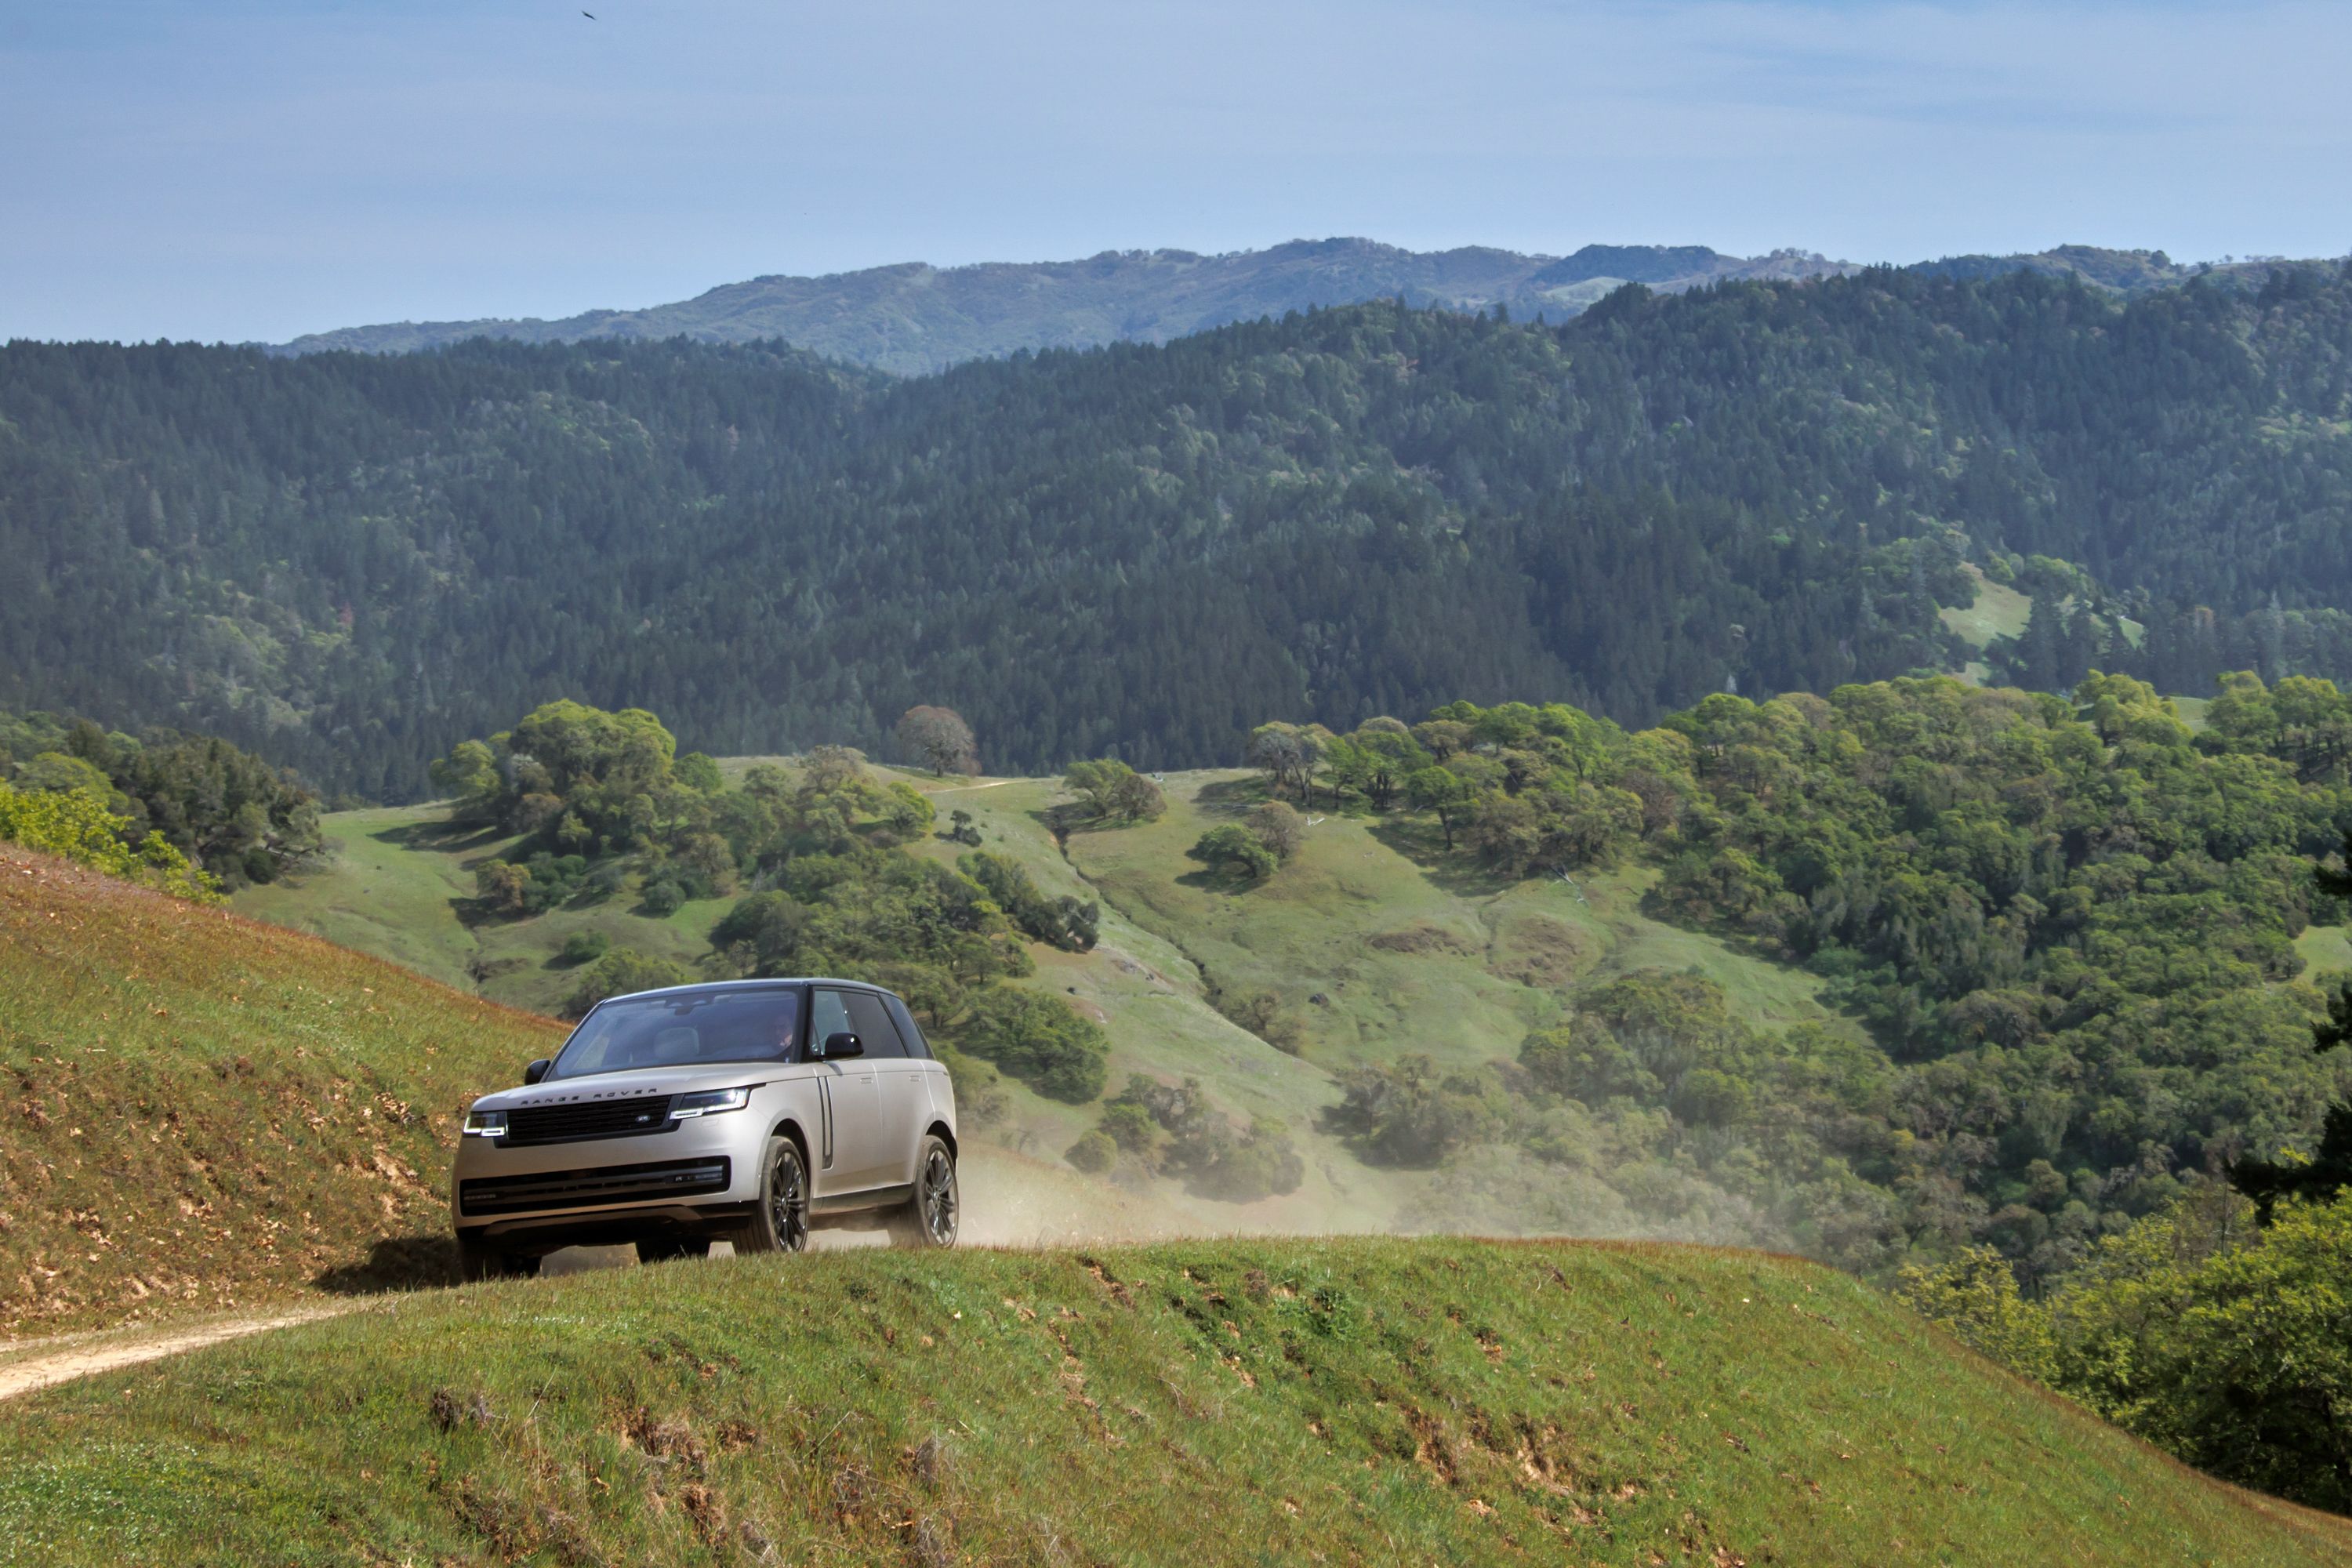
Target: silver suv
point(743, 1111)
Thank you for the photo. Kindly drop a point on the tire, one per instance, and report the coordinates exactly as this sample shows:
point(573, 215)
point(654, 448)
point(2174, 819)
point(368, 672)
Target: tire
point(478, 1260)
point(672, 1248)
point(781, 1222)
point(929, 1220)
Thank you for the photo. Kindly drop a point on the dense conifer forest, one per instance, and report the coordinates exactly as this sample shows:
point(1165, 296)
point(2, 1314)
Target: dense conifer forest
point(350, 563)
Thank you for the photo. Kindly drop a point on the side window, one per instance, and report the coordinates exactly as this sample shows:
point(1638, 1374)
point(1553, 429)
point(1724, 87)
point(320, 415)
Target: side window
point(872, 1022)
point(916, 1046)
point(828, 1017)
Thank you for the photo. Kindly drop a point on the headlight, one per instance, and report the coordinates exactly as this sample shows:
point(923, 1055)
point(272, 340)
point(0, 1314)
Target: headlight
point(486, 1124)
point(711, 1102)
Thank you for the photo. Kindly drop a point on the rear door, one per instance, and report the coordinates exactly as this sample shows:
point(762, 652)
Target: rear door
point(903, 1099)
point(851, 1154)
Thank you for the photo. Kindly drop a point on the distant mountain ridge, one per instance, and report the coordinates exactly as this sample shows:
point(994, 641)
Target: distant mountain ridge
point(913, 318)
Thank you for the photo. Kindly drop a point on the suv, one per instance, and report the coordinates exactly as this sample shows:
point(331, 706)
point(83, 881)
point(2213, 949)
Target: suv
point(742, 1111)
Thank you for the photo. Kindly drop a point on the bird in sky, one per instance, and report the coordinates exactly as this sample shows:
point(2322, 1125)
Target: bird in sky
point(590, 14)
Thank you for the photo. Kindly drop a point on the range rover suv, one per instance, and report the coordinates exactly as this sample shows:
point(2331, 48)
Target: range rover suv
point(744, 1111)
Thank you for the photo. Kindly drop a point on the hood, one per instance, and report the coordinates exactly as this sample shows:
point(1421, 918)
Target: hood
point(629, 1085)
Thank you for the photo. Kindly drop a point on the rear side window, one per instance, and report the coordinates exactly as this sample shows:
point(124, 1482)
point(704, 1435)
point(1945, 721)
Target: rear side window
point(916, 1046)
point(872, 1022)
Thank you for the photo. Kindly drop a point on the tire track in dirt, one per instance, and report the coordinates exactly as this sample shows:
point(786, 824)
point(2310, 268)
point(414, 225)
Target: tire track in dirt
point(70, 1360)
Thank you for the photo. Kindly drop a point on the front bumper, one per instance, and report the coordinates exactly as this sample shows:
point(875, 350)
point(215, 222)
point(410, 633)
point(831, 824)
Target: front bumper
point(702, 1176)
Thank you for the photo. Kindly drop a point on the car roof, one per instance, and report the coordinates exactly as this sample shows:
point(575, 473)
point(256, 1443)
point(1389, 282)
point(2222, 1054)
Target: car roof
point(751, 985)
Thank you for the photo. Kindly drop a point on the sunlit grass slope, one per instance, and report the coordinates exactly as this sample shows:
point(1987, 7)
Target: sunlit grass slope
point(1373, 942)
point(202, 1111)
point(397, 884)
point(1377, 943)
point(1360, 1401)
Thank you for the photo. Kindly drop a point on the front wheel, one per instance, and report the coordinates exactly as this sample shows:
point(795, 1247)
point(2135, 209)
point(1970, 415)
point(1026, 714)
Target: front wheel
point(781, 1222)
point(928, 1219)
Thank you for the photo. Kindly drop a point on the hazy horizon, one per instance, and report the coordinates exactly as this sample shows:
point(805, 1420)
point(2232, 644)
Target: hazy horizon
point(269, 168)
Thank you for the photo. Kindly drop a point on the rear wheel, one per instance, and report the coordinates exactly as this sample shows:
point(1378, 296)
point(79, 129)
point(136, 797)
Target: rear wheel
point(477, 1259)
point(671, 1249)
point(928, 1218)
point(781, 1222)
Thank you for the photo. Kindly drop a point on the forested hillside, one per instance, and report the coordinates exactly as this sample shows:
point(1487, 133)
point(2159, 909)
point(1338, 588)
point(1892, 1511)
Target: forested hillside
point(350, 562)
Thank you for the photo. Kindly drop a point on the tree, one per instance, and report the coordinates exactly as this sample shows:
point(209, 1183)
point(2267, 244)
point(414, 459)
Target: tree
point(1409, 1113)
point(1234, 849)
point(1443, 791)
point(504, 888)
point(1040, 1040)
point(1288, 754)
point(940, 738)
point(2328, 1169)
point(1278, 827)
point(1113, 791)
point(620, 972)
point(1094, 1153)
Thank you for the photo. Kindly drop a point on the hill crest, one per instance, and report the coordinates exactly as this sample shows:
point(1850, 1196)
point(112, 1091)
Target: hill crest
point(911, 318)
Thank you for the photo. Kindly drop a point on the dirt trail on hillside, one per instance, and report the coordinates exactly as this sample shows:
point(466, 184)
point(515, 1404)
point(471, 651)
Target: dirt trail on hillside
point(99, 1352)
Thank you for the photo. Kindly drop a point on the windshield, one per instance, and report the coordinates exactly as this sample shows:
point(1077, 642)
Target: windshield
point(683, 1029)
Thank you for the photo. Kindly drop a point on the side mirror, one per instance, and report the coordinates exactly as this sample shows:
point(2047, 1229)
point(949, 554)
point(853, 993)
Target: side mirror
point(841, 1045)
point(536, 1071)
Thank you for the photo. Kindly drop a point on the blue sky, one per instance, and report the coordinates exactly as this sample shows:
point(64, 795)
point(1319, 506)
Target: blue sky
point(246, 169)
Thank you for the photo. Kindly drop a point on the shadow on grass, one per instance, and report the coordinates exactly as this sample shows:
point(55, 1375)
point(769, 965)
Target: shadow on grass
point(394, 1263)
point(1424, 844)
point(1222, 879)
point(441, 835)
point(1233, 794)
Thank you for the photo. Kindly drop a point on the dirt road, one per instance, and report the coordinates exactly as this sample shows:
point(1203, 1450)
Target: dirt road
point(81, 1355)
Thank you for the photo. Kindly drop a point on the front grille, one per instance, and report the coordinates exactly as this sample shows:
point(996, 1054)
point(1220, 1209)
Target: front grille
point(587, 1189)
point(571, 1122)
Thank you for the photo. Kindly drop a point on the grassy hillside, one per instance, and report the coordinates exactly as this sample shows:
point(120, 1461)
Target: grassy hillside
point(1403, 957)
point(1349, 1402)
point(398, 885)
point(203, 1110)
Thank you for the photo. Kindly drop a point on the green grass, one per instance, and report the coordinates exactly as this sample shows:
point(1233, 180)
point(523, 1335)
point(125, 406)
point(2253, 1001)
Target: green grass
point(1408, 950)
point(205, 1111)
point(2325, 948)
point(2001, 611)
point(397, 885)
point(1362, 1401)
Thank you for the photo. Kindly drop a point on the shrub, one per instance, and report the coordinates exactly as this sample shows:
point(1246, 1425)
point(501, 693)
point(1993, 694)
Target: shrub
point(1114, 792)
point(583, 946)
point(1236, 849)
point(1278, 827)
point(1039, 1040)
point(79, 826)
point(1062, 922)
point(1094, 1153)
point(1408, 1115)
point(1260, 1163)
point(621, 971)
point(980, 1096)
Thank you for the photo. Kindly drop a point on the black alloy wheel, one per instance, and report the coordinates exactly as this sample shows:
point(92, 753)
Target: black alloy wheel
point(931, 1216)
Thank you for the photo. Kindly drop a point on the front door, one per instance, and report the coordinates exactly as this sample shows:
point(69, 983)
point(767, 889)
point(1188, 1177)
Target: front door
point(855, 1103)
